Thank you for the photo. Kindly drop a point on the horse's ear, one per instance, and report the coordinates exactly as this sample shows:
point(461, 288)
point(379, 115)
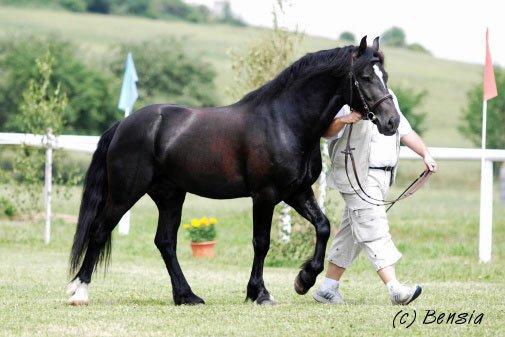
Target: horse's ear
point(362, 46)
point(375, 45)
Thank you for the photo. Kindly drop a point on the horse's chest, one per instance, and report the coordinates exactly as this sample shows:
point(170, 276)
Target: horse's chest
point(306, 168)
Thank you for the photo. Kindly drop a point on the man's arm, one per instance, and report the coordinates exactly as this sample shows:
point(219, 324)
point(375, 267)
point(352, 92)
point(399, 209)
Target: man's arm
point(338, 123)
point(416, 144)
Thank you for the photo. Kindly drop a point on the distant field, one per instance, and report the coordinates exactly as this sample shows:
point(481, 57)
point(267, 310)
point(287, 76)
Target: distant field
point(447, 82)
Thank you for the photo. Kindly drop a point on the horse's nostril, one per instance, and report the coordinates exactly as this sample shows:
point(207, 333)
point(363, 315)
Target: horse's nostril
point(391, 123)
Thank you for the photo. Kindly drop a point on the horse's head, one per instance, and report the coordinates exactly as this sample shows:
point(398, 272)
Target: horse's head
point(368, 92)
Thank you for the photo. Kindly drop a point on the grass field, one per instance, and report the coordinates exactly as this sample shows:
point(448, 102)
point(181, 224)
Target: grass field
point(436, 230)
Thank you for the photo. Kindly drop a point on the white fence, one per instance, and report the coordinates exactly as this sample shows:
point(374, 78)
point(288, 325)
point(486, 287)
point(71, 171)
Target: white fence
point(88, 144)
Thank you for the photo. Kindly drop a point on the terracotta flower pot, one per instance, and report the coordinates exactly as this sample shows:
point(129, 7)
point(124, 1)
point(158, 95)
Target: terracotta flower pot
point(203, 249)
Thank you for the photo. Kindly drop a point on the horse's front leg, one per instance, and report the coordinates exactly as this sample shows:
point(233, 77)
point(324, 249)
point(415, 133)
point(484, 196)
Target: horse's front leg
point(305, 204)
point(263, 208)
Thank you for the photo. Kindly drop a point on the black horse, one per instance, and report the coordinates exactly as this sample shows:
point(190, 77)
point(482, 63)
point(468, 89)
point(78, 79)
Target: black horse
point(266, 146)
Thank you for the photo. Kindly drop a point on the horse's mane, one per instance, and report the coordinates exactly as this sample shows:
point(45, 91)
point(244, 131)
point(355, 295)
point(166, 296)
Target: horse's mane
point(335, 60)
point(322, 61)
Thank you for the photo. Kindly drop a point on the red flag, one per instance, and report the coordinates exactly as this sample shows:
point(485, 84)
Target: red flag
point(489, 88)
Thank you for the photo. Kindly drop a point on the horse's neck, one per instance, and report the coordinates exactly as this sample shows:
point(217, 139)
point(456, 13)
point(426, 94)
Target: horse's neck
point(313, 108)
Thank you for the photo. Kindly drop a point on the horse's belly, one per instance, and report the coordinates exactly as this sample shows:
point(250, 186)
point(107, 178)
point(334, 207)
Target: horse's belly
point(210, 185)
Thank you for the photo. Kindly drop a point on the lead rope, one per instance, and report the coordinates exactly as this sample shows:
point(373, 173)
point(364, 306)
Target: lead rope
point(410, 190)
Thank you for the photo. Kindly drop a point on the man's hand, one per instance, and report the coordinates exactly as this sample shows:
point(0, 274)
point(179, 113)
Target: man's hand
point(338, 123)
point(351, 118)
point(430, 163)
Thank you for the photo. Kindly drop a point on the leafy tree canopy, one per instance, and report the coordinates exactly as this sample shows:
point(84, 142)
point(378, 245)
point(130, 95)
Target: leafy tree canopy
point(347, 36)
point(88, 89)
point(472, 115)
point(410, 103)
point(168, 74)
point(394, 36)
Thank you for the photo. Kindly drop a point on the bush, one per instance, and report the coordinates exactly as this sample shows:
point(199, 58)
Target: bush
point(166, 72)
point(348, 37)
point(7, 207)
point(410, 102)
point(263, 60)
point(394, 36)
point(418, 48)
point(472, 115)
point(91, 107)
point(74, 5)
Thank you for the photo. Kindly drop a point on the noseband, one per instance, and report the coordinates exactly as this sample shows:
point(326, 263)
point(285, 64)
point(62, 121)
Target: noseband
point(369, 112)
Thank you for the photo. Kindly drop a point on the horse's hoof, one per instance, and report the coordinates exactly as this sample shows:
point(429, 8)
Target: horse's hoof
point(300, 288)
point(266, 299)
point(72, 286)
point(191, 299)
point(80, 296)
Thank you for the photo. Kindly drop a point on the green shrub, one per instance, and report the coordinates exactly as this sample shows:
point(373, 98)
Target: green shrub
point(90, 94)
point(7, 207)
point(168, 74)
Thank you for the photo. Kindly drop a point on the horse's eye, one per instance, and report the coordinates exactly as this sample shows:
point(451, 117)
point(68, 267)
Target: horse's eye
point(366, 78)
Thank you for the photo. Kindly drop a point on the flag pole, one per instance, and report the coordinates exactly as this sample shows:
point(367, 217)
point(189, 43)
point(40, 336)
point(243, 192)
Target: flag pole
point(124, 223)
point(126, 103)
point(486, 196)
point(486, 166)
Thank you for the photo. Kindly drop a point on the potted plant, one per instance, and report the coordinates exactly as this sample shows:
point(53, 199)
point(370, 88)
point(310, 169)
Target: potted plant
point(202, 233)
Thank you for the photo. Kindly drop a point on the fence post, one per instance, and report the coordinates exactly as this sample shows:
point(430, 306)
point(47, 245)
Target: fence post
point(285, 222)
point(486, 211)
point(48, 188)
point(502, 182)
point(322, 177)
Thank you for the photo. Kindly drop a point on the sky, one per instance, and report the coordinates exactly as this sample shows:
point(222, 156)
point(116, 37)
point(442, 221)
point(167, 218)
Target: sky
point(453, 30)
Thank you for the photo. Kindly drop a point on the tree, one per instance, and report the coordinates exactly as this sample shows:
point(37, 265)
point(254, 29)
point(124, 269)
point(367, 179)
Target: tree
point(472, 115)
point(92, 101)
point(348, 37)
point(263, 60)
point(418, 48)
point(99, 6)
point(168, 74)
point(41, 108)
point(409, 102)
point(394, 36)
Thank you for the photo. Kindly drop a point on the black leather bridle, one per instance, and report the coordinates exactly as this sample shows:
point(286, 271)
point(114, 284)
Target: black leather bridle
point(369, 112)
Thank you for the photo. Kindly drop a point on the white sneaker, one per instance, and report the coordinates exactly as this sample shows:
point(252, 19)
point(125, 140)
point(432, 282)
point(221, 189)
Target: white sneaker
point(328, 295)
point(405, 294)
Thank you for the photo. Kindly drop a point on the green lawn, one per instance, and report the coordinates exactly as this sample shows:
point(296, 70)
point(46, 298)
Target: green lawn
point(437, 231)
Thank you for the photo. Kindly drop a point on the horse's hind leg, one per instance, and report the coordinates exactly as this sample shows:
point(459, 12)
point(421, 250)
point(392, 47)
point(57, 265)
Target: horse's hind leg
point(169, 200)
point(306, 205)
point(99, 243)
point(123, 193)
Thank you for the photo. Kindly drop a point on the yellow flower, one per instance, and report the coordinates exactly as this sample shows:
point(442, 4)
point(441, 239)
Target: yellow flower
point(195, 223)
point(186, 225)
point(213, 221)
point(204, 221)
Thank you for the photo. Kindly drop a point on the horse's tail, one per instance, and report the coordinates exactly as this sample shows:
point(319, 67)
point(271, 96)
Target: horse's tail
point(93, 201)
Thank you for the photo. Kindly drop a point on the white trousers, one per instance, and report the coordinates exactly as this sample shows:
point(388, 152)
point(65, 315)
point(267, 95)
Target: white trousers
point(365, 227)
